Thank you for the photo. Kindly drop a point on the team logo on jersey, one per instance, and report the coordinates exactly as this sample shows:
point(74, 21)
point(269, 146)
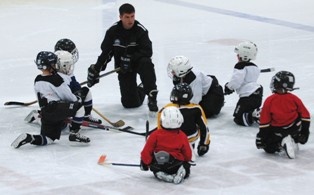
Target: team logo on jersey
point(117, 42)
point(71, 106)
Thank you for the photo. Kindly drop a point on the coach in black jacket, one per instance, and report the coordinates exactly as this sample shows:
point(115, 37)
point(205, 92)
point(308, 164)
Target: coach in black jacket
point(128, 42)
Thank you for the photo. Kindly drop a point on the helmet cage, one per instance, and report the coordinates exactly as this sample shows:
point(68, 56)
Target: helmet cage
point(69, 46)
point(65, 62)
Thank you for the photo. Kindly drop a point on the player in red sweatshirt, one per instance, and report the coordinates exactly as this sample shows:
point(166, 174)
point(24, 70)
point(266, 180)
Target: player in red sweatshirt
point(284, 120)
point(167, 151)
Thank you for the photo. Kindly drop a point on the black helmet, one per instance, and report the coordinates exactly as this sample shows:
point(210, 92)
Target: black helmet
point(181, 94)
point(45, 60)
point(69, 46)
point(283, 80)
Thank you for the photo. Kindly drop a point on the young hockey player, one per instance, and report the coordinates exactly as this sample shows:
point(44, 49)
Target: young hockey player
point(206, 90)
point(167, 152)
point(244, 82)
point(195, 122)
point(66, 66)
point(57, 103)
point(284, 120)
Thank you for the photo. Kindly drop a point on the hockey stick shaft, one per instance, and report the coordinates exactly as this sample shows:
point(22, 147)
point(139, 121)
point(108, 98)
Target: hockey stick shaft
point(102, 161)
point(99, 126)
point(123, 164)
point(102, 75)
point(11, 103)
point(147, 130)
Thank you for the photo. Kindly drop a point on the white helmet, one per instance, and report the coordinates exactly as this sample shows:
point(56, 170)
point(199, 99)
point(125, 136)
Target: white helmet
point(179, 66)
point(246, 50)
point(171, 118)
point(65, 62)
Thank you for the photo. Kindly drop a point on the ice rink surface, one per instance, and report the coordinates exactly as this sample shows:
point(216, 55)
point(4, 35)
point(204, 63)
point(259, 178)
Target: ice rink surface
point(205, 31)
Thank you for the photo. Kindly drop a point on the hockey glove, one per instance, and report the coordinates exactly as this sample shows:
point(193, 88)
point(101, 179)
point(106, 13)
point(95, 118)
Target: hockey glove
point(125, 65)
point(227, 90)
point(81, 94)
point(303, 136)
point(259, 142)
point(92, 76)
point(143, 166)
point(202, 149)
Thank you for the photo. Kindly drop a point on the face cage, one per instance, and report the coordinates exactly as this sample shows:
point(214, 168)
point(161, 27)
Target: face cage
point(75, 55)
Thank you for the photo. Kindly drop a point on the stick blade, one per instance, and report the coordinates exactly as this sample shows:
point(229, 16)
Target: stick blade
point(119, 123)
point(268, 69)
point(102, 159)
point(14, 103)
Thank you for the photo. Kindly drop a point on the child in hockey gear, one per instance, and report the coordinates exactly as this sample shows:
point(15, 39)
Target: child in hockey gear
point(57, 103)
point(128, 42)
point(195, 122)
point(244, 82)
point(206, 90)
point(167, 152)
point(68, 55)
point(284, 120)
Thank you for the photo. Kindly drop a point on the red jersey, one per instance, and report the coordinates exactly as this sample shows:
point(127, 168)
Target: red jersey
point(281, 110)
point(174, 142)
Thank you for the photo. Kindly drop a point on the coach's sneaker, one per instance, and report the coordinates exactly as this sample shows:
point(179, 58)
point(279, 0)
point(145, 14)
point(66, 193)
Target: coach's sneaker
point(179, 177)
point(22, 140)
point(76, 137)
point(288, 145)
point(90, 118)
point(164, 176)
point(152, 100)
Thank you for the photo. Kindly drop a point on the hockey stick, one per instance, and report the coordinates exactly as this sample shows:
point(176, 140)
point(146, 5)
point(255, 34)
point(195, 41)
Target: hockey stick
point(126, 129)
point(32, 117)
point(102, 75)
point(147, 130)
point(267, 70)
point(102, 159)
point(12, 103)
point(119, 123)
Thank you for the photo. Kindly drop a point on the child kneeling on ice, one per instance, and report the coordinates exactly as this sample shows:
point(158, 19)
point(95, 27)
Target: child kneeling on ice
point(167, 151)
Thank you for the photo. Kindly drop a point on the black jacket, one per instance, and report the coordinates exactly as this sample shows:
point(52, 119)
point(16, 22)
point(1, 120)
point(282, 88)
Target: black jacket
point(119, 42)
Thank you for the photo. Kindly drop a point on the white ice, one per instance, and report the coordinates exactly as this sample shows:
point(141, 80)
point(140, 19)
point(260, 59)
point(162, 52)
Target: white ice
point(206, 31)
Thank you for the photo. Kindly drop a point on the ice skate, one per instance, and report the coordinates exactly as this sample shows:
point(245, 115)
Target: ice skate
point(33, 116)
point(164, 176)
point(256, 115)
point(288, 145)
point(76, 137)
point(22, 140)
point(179, 177)
point(90, 118)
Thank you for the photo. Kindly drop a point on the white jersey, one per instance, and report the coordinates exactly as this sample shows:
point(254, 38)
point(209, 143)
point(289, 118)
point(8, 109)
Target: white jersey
point(244, 79)
point(53, 88)
point(200, 86)
point(66, 78)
